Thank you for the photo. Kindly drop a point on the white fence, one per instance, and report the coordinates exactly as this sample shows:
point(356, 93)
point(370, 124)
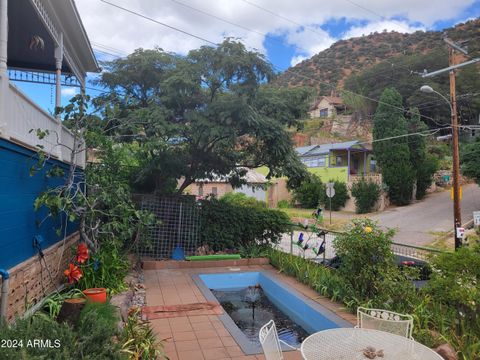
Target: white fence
point(23, 117)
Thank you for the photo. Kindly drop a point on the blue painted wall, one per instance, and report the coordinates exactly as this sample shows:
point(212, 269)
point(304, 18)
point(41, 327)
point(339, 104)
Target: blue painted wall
point(18, 191)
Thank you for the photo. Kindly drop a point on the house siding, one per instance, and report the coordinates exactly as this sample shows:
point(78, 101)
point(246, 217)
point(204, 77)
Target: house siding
point(18, 218)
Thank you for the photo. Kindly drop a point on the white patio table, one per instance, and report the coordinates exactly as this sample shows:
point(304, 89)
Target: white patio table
point(353, 344)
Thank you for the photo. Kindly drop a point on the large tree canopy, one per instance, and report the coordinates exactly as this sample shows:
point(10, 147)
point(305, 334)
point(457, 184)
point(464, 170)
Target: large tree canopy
point(207, 114)
point(391, 147)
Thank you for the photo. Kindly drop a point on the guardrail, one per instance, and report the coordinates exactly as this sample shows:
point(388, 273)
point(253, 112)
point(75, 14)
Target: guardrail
point(289, 244)
point(23, 117)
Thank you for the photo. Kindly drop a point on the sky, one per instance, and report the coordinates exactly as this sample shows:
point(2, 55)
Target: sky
point(286, 32)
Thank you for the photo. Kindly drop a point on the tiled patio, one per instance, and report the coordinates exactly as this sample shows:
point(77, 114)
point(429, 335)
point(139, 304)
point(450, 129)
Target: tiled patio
point(204, 337)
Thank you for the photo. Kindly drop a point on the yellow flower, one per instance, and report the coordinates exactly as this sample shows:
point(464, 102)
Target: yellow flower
point(368, 229)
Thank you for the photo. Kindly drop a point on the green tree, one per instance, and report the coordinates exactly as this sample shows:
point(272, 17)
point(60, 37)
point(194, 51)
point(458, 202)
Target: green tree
point(338, 200)
point(470, 160)
point(423, 165)
point(393, 155)
point(204, 115)
point(366, 194)
point(308, 194)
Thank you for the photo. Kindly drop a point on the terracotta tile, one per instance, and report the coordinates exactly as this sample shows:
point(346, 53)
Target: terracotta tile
point(292, 355)
point(203, 326)
point(178, 320)
point(215, 354)
point(184, 335)
point(228, 341)
point(190, 355)
point(234, 351)
point(199, 319)
point(210, 343)
point(181, 327)
point(218, 325)
point(222, 332)
point(206, 334)
point(187, 345)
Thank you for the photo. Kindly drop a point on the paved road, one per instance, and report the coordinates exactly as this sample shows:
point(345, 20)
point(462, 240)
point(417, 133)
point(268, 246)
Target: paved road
point(416, 222)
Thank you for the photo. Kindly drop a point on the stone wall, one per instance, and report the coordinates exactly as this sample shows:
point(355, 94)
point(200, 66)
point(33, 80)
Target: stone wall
point(30, 281)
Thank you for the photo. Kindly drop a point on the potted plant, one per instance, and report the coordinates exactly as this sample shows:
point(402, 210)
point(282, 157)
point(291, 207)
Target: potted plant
point(74, 273)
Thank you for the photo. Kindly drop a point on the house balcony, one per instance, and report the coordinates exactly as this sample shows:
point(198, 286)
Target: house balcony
point(23, 117)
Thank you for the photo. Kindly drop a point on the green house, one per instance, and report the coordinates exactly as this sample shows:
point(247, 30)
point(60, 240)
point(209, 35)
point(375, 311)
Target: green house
point(338, 161)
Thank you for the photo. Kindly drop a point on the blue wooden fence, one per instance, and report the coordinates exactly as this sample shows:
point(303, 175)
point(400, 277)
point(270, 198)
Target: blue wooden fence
point(19, 222)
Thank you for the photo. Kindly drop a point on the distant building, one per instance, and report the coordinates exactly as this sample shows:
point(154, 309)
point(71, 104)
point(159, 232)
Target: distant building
point(256, 186)
point(327, 106)
point(338, 161)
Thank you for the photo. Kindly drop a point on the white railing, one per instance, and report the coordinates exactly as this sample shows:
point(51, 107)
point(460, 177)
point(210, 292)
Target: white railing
point(23, 117)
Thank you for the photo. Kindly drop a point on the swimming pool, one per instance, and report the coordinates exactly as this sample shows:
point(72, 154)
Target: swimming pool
point(304, 312)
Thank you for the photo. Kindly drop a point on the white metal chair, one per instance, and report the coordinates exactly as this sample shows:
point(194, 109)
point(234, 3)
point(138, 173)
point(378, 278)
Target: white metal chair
point(271, 344)
point(384, 320)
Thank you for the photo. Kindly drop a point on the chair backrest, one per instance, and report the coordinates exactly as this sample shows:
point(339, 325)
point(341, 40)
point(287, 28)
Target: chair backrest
point(270, 343)
point(384, 320)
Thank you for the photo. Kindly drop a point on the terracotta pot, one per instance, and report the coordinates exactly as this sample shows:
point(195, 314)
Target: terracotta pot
point(96, 294)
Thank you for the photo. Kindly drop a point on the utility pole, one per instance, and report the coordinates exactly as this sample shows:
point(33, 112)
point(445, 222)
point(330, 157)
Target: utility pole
point(457, 214)
point(452, 66)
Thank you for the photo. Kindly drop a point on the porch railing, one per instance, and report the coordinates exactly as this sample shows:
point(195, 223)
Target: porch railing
point(23, 117)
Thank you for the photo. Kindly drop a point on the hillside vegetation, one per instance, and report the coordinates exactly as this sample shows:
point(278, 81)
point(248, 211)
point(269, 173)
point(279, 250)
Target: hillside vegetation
point(334, 65)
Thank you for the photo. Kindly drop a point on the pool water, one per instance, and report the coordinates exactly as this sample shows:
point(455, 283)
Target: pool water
point(250, 309)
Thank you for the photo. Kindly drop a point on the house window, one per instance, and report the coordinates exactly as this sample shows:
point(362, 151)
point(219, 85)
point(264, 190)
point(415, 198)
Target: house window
point(373, 165)
point(324, 113)
point(315, 162)
point(200, 190)
point(338, 161)
point(214, 191)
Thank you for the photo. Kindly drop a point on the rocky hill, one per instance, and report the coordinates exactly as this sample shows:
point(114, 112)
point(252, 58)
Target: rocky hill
point(346, 57)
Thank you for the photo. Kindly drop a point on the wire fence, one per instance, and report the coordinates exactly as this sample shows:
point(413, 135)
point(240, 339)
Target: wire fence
point(177, 226)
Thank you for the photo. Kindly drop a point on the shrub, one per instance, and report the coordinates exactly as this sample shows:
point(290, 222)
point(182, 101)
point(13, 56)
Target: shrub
point(365, 251)
point(106, 268)
point(309, 192)
point(237, 198)
point(42, 328)
point(455, 282)
point(340, 198)
point(92, 338)
point(283, 204)
point(366, 194)
point(229, 226)
point(96, 328)
point(139, 340)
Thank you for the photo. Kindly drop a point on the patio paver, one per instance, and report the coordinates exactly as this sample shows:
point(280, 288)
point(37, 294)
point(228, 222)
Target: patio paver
point(204, 337)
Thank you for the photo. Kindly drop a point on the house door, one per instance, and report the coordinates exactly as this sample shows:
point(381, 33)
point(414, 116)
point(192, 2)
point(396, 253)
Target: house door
point(356, 164)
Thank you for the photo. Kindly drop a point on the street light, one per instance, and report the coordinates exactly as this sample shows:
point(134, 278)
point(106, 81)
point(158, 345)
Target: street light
point(457, 216)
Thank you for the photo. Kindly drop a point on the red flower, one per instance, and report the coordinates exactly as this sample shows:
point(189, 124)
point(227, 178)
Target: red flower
point(73, 273)
point(82, 253)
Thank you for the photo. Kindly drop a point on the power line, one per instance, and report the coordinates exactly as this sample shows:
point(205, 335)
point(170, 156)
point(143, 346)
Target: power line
point(276, 68)
point(159, 22)
point(311, 29)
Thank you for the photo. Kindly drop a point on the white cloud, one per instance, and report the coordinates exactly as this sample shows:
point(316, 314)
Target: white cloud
point(380, 26)
point(297, 59)
point(69, 91)
point(124, 32)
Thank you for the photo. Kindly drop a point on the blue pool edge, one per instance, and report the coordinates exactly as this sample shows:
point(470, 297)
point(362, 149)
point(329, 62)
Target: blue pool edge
point(247, 347)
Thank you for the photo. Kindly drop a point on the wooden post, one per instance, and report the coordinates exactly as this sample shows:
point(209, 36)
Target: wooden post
point(348, 165)
point(456, 160)
point(364, 163)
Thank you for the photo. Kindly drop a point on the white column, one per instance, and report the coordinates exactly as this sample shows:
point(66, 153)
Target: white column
point(3, 66)
point(58, 69)
point(58, 89)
